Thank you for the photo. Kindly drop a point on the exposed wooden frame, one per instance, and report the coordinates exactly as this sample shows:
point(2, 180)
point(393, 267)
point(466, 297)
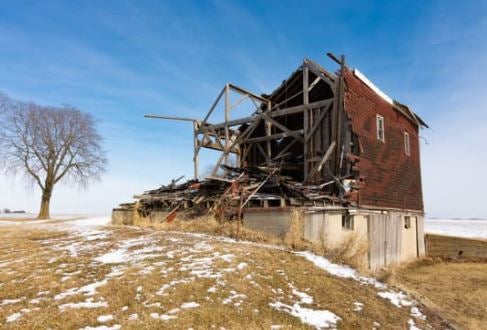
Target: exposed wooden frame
point(325, 158)
point(222, 137)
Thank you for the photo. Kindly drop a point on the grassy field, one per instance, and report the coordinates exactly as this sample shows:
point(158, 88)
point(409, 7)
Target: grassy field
point(458, 291)
point(68, 276)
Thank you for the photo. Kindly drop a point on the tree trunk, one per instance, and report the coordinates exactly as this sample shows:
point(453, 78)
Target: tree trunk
point(45, 201)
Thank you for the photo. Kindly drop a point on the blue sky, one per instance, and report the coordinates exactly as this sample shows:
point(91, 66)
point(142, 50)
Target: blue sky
point(122, 59)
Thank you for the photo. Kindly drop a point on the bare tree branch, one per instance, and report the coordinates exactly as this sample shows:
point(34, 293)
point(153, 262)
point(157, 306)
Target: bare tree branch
point(49, 144)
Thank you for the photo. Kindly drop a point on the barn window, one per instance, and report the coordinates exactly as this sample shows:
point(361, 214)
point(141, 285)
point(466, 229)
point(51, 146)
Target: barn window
point(407, 146)
point(380, 129)
point(407, 222)
point(347, 221)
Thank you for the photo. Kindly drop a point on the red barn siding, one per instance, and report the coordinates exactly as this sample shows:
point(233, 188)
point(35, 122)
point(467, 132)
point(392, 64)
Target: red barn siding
point(392, 179)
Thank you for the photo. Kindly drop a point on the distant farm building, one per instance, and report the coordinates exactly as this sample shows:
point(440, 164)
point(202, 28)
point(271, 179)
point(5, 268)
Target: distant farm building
point(332, 145)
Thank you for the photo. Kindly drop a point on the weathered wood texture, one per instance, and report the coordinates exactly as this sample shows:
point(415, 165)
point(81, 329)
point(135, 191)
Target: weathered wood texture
point(420, 236)
point(385, 233)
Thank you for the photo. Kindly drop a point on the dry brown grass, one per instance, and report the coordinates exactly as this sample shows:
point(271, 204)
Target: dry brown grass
point(34, 263)
point(458, 291)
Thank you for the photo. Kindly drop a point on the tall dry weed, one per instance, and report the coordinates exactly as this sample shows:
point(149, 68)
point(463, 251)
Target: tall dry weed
point(294, 237)
point(352, 250)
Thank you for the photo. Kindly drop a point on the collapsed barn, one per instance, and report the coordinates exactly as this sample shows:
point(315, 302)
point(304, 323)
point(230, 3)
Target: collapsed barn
point(332, 144)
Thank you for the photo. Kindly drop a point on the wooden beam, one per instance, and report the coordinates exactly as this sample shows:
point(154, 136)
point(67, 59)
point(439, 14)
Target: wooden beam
point(272, 114)
point(284, 128)
point(195, 147)
point(242, 205)
point(277, 106)
point(217, 137)
point(247, 132)
point(272, 137)
point(299, 108)
point(306, 116)
point(214, 146)
point(171, 118)
point(314, 83)
point(268, 132)
point(318, 122)
point(262, 151)
point(318, 167)
point(286, 148)
point(240, 100)
point(213, 106)
point(227, 118)
point(339, 118)
point(317, 70)
point(243, 91)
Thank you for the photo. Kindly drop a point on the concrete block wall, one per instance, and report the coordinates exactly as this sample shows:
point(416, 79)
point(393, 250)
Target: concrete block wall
point(122, 217)
point(455, 247)
point(271, 221)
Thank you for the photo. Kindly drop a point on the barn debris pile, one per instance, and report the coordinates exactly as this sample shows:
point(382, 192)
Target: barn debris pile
point(228, 194)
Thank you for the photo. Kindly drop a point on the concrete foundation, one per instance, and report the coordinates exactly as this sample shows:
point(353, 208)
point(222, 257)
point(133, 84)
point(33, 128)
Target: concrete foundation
point(122, 217)
point(392, 237)
point(268, 220)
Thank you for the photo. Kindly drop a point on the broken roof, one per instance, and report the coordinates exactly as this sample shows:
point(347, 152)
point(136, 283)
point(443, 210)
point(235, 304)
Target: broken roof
point(330, 79)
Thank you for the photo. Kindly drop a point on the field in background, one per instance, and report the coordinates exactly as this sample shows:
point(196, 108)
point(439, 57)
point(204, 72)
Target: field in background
point(457, 290)
point(457, 227)
point(72, 274)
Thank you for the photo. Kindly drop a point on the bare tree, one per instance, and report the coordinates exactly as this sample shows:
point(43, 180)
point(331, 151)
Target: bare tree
point(48, 144)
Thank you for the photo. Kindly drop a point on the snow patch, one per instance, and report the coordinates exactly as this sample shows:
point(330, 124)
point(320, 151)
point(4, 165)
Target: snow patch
point(339, 270)
point(104, 318)
point(162, 317)
point(11, 301)
point(242, 265)
point(14, 317)
point(305, 298)
point(358, 306)
point(227, 257)
point(319, 319)
point(84, 304)
point(103, 327)
point(114, 257)
point(398, 299)
point(415, 312)
point(189, 305)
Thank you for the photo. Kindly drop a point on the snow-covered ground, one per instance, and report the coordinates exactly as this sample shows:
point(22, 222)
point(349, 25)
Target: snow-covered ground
point(34, 215)
point(10, 219)
point(457, 227)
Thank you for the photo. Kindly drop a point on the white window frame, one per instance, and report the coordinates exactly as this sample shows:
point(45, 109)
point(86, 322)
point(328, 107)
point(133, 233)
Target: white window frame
point(347, 222)
point(407, 222)
point(407, 144)
point(380, 119)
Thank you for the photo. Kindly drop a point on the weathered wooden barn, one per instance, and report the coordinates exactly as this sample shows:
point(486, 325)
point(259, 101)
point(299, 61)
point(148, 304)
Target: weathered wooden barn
point(332, 144)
